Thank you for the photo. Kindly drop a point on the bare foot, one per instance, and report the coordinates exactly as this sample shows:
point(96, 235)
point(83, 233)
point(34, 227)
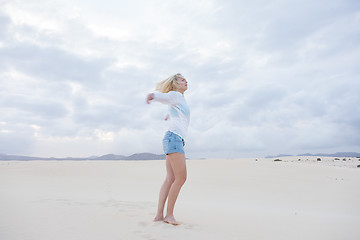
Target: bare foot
point(171, 220)
point(158, 218)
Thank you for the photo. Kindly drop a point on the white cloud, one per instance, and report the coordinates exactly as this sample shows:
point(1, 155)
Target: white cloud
point(264, 77)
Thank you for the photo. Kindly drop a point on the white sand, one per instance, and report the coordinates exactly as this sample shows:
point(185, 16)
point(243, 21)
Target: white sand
point(222, 199)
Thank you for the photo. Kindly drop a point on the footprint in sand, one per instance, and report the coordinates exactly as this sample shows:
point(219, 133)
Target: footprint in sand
point(148, 236)
point(143, 224)
point(188, 226)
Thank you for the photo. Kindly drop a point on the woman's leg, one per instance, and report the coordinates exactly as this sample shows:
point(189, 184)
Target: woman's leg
point(164, 191)
point(178, 165)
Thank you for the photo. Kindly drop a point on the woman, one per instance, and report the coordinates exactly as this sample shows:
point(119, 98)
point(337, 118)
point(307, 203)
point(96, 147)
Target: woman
point(171, 92)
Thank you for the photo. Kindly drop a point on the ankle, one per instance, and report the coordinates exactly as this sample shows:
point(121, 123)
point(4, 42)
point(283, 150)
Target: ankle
point(159, 215)
point(158, 218)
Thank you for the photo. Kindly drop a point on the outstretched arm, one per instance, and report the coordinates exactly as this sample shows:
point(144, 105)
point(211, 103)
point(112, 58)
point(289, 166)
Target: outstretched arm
point(149, 97)
point(166, 98)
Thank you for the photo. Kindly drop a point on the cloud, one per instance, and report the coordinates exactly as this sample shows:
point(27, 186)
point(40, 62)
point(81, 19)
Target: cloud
point(264, 77)
point(51, 63)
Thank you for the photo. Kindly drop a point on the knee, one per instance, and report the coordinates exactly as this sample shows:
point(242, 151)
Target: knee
point(181, 179)
point(170, 180)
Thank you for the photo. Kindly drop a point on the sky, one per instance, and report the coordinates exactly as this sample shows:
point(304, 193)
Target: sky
point(265, 77)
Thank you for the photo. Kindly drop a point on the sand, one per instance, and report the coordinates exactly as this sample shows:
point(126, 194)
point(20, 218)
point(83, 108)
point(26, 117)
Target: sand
point(222, 199)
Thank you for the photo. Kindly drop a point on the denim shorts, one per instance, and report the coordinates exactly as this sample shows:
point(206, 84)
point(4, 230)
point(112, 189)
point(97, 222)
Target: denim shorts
point(173, 143)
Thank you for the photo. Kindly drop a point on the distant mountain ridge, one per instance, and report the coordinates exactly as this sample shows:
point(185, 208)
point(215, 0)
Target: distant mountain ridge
point(151, 156)
point(338, 154)
point(136, 156)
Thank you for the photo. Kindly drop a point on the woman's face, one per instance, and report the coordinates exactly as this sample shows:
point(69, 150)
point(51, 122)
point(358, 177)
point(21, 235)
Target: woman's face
point(182, 84)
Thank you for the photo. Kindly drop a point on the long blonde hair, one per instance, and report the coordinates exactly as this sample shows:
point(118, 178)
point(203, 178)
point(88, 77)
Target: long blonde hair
point(169, 84)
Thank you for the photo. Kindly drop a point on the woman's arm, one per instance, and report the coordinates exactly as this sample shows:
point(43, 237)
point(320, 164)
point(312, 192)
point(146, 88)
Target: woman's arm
point(149, 97)
point(166, 98)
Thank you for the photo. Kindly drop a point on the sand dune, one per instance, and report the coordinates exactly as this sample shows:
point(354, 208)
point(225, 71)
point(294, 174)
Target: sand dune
point(222, 199)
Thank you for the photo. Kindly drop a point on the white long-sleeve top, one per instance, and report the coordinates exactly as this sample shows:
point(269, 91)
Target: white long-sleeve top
point(179, 111)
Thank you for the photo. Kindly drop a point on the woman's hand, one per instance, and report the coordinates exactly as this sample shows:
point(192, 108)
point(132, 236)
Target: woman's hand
point(149, 97)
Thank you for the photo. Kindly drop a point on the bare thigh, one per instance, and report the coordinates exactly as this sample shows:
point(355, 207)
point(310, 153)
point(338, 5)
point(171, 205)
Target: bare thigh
point(177, 163)
point(169, 171)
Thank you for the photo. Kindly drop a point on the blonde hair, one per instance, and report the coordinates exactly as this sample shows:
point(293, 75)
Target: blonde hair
point(169, 84)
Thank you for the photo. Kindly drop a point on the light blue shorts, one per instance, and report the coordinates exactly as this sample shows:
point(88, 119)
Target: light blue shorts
point(173, 143)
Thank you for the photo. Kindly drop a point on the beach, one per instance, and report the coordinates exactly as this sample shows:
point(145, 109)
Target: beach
point(250, 199)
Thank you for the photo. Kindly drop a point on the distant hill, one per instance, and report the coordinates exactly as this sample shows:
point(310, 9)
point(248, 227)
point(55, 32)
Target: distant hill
point(15, 157)
point(147, 156)
point(137, 156)
point(110, 157)
point(338, 154)
point(280, 155)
